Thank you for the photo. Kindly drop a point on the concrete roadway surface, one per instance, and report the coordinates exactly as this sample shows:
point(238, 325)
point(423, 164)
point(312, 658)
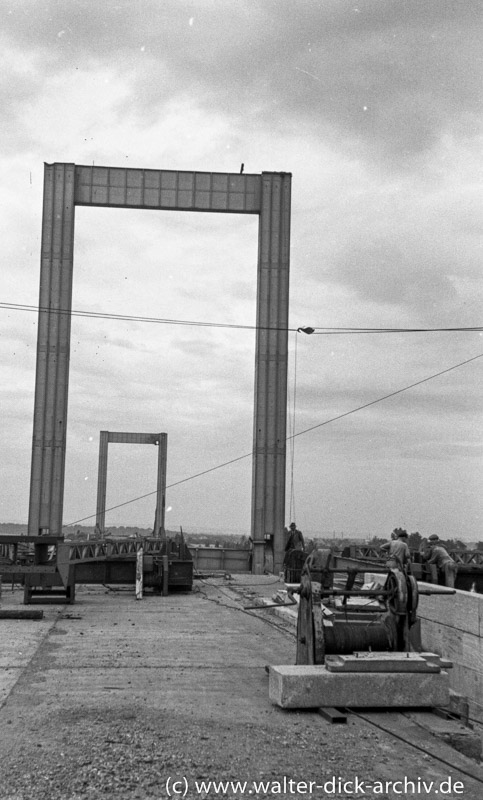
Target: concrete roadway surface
point(120, 698)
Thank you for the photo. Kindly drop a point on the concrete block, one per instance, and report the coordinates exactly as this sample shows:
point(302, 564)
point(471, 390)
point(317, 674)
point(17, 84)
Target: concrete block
point(315, 687)
point(455, 645)
point(462, 611)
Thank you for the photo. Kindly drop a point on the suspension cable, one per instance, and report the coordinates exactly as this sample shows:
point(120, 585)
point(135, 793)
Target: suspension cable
point(292, 442)
point(293, 435)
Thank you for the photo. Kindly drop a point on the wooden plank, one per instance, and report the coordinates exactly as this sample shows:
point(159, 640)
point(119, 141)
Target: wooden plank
point(333, 715)
point(21, 613)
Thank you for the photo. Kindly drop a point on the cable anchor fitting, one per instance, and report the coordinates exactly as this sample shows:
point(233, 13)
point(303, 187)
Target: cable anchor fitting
point(306, 329)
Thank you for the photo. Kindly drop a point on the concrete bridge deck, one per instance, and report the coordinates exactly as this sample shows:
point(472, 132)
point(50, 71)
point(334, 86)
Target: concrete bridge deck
point(113, 697)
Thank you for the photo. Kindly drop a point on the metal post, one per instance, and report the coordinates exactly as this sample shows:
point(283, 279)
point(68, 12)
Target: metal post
point(53, 351)
point(270, 424)
point(102, 482)
point(165, 562)
point(139, 573)
point(161, 486)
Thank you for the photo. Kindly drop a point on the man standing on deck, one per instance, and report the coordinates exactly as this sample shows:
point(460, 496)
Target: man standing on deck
point(296, 539)
point(439, 556)
point(398, 553)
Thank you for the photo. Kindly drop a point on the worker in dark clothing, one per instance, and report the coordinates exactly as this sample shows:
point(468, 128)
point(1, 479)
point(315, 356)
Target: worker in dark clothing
point(445, 566)
point(296, 539)
point(398, 553)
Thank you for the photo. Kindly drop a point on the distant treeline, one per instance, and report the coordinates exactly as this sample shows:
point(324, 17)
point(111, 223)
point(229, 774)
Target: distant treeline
point(12, 528)
point(232, 540)
point(80, 532)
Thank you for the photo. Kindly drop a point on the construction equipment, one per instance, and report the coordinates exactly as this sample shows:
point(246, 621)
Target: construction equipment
point(469, 573)
point(31, 561)
point(358, 645)
point(343, 620)
point(52, 567)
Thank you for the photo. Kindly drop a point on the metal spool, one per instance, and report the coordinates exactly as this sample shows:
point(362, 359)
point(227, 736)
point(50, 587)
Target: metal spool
point(346, 637)
point(389, 631)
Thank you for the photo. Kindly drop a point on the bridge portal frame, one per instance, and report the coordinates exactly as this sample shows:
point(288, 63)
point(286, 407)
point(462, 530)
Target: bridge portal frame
point(116, 437)
point(268, 195)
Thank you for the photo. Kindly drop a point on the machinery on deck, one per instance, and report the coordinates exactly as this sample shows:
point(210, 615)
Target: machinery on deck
point(49, 567)
point(380, 616)
point(469, 574)
point(358, 643)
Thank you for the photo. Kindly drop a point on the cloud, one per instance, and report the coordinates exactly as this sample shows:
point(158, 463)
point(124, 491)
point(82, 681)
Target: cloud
point(193, 348)
point(374, 107)
point(445, 452)
point(407, 248)
point(389, 78)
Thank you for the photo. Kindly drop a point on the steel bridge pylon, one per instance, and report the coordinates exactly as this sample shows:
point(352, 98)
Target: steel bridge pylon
point(269, 196)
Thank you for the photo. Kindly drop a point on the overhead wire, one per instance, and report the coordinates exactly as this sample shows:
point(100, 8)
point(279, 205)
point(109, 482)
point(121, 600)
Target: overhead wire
point(170, 486)
point(293, 435)
point(126, 317)
point(391, 394)
point(321, 331)
point(338, 331)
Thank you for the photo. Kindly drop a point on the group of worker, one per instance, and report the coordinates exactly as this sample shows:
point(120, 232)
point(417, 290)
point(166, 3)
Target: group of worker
point(432, 552)
point(398, 553)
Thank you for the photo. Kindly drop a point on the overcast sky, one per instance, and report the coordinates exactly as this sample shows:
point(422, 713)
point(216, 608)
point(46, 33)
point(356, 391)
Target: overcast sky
point(375, 107)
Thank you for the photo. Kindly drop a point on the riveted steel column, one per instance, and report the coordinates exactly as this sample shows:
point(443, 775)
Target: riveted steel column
point(102, 482)
point(53, 351)
point(270, 414)
point(161, 486)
